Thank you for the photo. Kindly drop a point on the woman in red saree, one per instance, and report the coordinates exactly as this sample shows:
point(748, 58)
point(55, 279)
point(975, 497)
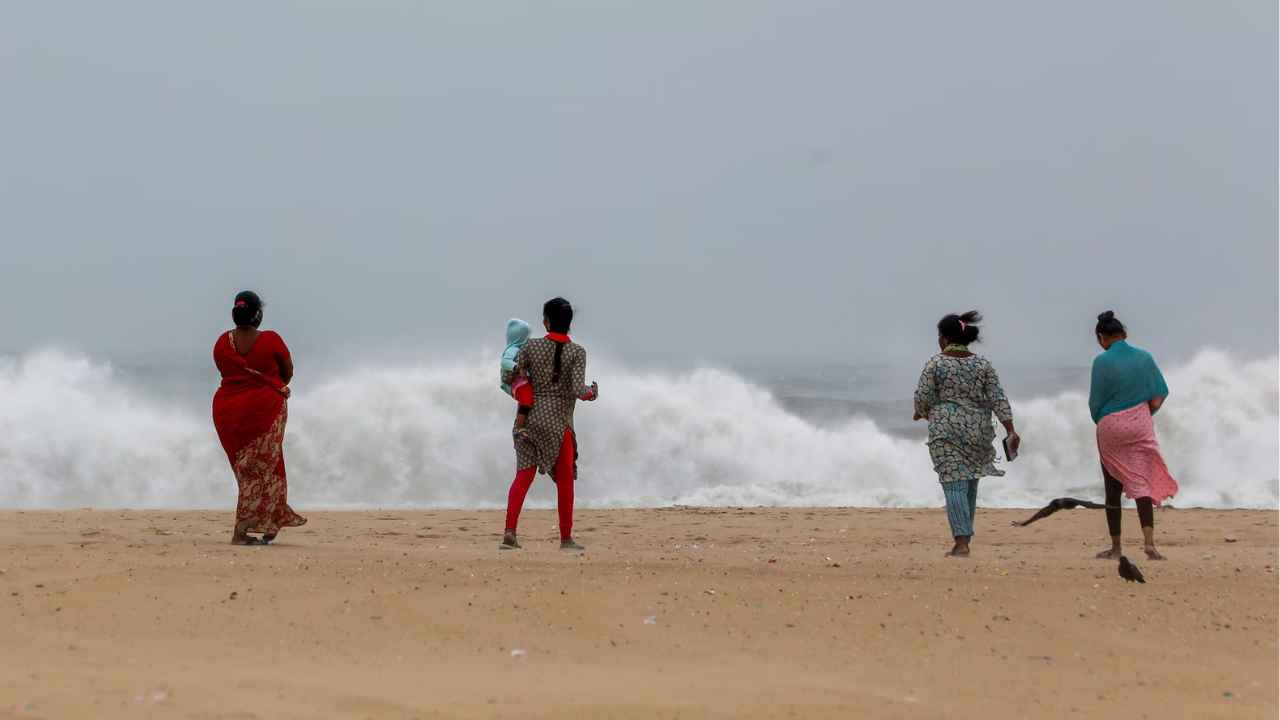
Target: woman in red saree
point(249, 412)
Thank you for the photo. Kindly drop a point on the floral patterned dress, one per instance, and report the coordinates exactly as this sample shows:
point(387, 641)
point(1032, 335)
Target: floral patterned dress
point(959, 395)
point(553, 402)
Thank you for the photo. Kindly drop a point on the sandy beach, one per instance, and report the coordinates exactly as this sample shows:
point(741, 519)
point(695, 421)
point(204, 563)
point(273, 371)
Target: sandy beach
point(671, 613)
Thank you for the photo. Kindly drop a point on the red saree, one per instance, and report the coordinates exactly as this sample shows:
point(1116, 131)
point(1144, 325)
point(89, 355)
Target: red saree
point(249, 413)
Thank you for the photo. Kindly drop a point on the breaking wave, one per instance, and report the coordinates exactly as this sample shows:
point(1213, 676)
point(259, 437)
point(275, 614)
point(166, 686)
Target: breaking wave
point(75, 432)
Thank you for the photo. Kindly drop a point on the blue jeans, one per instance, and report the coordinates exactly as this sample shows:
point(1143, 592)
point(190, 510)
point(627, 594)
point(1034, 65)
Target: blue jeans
point(962, 504)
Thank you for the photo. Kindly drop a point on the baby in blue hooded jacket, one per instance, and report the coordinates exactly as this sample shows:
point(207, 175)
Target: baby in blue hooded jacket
point(517, 386)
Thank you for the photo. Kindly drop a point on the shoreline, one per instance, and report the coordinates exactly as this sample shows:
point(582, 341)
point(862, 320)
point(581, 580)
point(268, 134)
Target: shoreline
point(672, 612)
point(542, 505)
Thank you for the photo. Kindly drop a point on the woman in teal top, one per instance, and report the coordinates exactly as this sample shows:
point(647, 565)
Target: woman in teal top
point(1123, 376)
point(1125, 391)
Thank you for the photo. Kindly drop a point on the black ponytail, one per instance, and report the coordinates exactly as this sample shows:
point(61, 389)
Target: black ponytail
point(960, 329)
point(1109, 325)
point(555, 364)
point(559, 316)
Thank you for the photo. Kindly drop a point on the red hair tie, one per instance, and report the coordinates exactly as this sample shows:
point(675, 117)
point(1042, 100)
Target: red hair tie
point(241, 303)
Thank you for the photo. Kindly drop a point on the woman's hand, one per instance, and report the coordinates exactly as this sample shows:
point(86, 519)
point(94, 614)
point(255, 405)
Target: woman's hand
point(1014, 440)
point(593, 393)
point(286, 392)
point(917, 417)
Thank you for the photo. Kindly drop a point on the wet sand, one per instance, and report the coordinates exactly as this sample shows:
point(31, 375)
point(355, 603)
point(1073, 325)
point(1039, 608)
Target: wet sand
point(672, 613)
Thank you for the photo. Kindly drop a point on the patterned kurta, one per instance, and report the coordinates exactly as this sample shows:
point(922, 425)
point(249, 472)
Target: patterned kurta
point(958, 395)
point(553, 405)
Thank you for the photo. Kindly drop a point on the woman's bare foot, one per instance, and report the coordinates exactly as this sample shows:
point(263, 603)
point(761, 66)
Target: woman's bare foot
point(959, 550)
point(240, 534)
point(509, 541)
point(1152, 553)
point(1111, 554)
point(570, 544)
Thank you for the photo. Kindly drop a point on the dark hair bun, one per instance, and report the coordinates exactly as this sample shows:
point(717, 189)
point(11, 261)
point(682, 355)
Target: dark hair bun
point(960, 329)
point(247, 309)
point(1109, 325)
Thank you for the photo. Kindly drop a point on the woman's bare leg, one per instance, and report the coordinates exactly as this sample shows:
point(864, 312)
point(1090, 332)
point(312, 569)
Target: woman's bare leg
point(1113, 490)
point(1147, 518)
point(1149, 543)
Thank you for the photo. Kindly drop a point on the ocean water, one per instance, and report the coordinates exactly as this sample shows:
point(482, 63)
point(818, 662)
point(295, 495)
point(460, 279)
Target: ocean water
point(80, 431)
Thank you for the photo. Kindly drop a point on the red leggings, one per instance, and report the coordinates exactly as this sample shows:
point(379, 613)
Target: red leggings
point(564, 488)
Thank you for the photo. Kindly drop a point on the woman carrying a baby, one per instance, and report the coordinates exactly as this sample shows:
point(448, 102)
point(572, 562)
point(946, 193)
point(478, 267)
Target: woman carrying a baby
point(547, 377)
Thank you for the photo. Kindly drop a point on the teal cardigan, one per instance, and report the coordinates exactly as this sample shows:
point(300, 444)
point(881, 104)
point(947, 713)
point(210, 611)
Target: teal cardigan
point(1123, 377)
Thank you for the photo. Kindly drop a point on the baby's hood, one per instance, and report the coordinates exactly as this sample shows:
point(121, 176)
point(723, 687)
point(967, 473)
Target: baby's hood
point(517, 332)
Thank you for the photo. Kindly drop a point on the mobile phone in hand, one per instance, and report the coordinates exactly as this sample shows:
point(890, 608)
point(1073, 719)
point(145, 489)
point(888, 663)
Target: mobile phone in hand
point(1010, 454)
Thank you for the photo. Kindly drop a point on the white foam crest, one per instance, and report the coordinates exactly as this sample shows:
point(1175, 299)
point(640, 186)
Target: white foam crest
point(74, 433)
point(1217, 431)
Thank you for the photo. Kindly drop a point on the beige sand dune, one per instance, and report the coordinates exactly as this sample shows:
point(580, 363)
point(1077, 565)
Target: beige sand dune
point(674, 613)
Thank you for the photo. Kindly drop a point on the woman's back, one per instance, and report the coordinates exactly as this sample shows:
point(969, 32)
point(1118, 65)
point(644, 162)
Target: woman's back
point(538, 360)
point(968, 381)
point(267, 356)
point(1123, 376)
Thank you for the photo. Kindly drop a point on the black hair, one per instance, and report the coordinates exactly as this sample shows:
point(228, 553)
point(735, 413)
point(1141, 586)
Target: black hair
point(559, 316)
point(960, 329)
point(247, 311)
point(1109, 325)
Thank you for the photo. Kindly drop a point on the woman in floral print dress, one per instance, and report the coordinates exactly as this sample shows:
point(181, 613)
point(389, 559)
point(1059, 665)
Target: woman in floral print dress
point(958, 392)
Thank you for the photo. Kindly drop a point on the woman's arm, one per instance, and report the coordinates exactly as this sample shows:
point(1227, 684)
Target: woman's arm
point(926, 392)
point(1011, 435)
point(578, 376)
point(284, 360)
point(1000, 406)
point(1096, 392)
point(1159, 388)
point(999, 401)
point(219, 354)
point(286, 369)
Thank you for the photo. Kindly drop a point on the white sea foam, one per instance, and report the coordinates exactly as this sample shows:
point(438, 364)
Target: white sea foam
point(74, 432)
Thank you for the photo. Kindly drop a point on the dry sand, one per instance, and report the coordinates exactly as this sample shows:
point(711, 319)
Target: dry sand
point(686, 613)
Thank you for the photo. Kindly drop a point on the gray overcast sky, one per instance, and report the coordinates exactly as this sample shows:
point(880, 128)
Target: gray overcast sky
point(716, 178)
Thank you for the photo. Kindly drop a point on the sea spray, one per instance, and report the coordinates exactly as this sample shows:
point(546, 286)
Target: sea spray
point(75, 432)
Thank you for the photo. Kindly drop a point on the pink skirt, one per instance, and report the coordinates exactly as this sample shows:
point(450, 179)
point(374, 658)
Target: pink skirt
point(1130, 454)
